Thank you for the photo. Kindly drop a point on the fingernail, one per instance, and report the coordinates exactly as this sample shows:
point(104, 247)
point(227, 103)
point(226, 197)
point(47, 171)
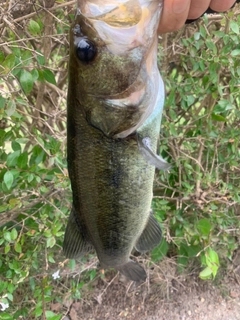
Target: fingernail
point(180, 6)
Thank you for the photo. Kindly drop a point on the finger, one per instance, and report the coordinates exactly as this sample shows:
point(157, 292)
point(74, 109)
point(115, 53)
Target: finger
point(197, 8)
point(174, 15)
point(221, 6)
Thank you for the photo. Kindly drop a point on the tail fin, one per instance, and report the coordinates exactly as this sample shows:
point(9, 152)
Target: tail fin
point(133, 271)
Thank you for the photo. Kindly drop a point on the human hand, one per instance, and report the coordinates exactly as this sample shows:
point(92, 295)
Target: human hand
point(176, 12)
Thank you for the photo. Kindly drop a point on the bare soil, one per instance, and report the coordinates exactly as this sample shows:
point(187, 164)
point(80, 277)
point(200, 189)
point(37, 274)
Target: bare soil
point(166, 295)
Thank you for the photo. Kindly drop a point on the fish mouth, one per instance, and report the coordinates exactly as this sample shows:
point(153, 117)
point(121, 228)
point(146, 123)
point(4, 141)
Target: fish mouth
point(122, 24)
point(113, 12)
point(125, 36)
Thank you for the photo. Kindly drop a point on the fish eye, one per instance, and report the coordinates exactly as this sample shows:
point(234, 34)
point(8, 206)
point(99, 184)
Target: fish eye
point(86, 50)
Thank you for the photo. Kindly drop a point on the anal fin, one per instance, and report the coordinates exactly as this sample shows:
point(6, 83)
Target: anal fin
point(74, 244)
point(150, 237)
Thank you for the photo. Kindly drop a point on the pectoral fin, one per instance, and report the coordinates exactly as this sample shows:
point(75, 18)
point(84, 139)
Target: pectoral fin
point(151, 157)
point(74, 244)
point(150, 237)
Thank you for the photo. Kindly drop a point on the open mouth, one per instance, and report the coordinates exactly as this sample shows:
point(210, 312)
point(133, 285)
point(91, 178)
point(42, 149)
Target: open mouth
point(121, 25)
point(114, 13)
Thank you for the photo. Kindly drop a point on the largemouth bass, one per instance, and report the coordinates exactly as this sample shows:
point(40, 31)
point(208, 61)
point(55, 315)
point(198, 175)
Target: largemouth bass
point(114, 107)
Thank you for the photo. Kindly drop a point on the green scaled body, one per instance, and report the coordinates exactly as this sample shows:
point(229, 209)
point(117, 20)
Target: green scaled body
point(109, 163)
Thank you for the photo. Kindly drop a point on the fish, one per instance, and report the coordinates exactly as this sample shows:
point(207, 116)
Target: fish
point(114, 108)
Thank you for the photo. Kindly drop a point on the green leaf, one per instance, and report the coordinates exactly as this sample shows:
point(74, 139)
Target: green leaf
point(182, 263)
point(52, 316)
point(38, 311)
point(7, 248)
point(206, 274)
point(50, 259)
point(8, 63)
point(30, 177)
point(197, 36)
point(34, 27)
point(26, 57)
point(12, 158)
point(235, 53)
point(2, 102)
point(40, 58)
point(190, 100)
point(38, 155)
point(35, 75)
point(4, 207)
point(14, 202)
point(218, 117)
point(10, 108)
point(16, 146)
point(40, 75)
point(203, 32)
point(7, 236)
point(11, 287)
point(1, 57)
point(8, 179)
point(93, 274)
point(204, 226)
point(32, 283)
point(26, 81)
point(49, 76)
point(212, 261)
point(212, 257)
point(160, 251)
point(18, 247)
point(14, 234)
point(234, 26)
point(10, 296)
point(211, 45)
point(72, 264)
point(23, 160)
point(6, 316)
point(223, 105)
point(192, 250)
point(51, 242)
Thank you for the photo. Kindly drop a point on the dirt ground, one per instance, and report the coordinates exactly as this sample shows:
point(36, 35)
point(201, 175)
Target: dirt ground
point(166, 295)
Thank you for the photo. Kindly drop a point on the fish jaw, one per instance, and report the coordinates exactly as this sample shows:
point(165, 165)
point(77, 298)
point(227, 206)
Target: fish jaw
point(127, 25)
point(122, 93)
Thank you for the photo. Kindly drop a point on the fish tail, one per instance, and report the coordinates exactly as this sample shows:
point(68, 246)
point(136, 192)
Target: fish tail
point(133, 271)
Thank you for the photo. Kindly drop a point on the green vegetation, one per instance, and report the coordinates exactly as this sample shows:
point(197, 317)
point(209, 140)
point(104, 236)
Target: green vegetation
point(197, 201)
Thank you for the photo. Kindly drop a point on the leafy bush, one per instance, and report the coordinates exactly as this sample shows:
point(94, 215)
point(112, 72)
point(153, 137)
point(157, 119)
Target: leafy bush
point(197, 202)
point(34, 189)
